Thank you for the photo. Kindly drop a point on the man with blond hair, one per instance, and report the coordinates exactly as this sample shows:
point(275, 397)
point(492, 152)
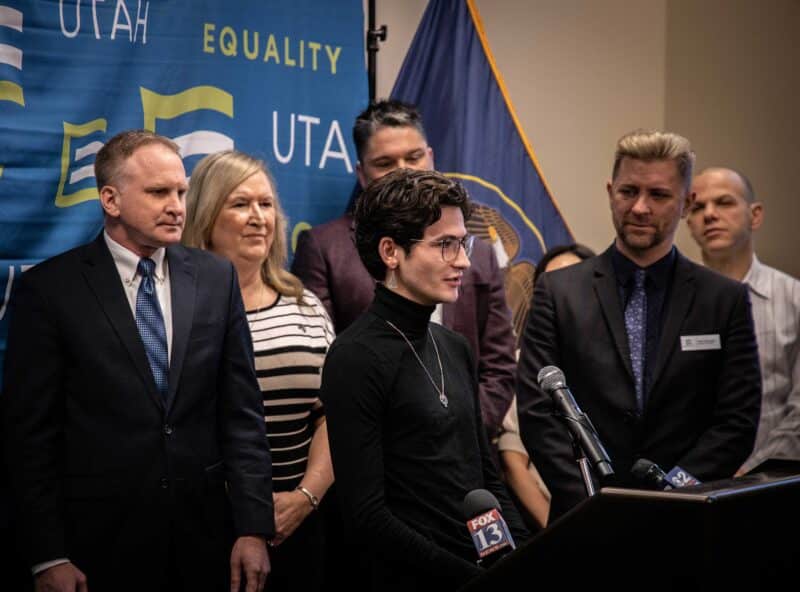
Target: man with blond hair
point(659, 352)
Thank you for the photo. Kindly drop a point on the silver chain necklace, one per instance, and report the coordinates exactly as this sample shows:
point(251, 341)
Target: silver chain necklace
point(442, 396)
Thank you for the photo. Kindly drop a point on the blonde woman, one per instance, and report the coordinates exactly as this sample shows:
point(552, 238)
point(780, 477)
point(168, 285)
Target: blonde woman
point(233, 210)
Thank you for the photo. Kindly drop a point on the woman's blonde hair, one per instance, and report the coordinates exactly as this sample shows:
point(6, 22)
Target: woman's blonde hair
point(213, 180)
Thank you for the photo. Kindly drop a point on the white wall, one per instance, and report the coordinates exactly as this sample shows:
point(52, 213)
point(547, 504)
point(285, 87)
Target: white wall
point(581, 73)
point(577, 87)
point(733, 78)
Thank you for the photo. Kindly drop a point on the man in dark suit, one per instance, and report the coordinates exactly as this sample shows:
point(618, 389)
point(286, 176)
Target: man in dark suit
point(133, 420)
point(389, 135)
point(659, 352)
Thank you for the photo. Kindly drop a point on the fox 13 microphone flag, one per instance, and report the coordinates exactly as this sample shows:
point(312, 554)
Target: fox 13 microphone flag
point(450, 75)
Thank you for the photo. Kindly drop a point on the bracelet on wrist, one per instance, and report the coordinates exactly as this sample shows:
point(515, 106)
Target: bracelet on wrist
point(312, 499)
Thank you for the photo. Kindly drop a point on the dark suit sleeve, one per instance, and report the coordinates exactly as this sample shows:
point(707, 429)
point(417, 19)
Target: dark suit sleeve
point(242, 429)
point(728, 441)
point(496, 358)
point(32, 416)
point(545, 437)
point(310, 266)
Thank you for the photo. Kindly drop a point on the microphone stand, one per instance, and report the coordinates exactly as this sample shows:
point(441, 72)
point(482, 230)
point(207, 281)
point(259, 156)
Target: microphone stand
point(584, 466)
point(578, 452)
point(585, 439)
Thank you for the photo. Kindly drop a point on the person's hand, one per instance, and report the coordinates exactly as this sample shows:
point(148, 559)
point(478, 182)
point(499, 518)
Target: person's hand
point(249, 555)
point(291, 508)
point(64, 577)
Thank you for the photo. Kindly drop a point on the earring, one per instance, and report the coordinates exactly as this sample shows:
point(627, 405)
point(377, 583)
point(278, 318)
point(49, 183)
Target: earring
point(391, 279)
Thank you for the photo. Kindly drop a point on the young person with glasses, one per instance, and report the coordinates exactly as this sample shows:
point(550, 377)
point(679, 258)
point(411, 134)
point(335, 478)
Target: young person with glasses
point(401, 394)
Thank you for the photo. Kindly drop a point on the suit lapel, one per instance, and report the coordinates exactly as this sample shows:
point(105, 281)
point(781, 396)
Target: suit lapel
point(103, 278)
point(183, 286)
point(677, 304)
point(605, 288)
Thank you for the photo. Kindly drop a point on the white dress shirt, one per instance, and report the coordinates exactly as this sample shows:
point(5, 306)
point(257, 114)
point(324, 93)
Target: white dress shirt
point(775, 299)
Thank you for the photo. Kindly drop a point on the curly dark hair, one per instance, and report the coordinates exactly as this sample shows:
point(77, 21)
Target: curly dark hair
point(401, 205)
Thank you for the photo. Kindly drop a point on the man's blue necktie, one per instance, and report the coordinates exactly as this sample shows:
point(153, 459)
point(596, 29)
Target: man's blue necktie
point(151, 325)
point(636, 326)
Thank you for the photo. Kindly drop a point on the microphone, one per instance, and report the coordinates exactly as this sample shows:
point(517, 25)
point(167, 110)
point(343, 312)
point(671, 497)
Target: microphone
point(489, 531)
point(551, 380)
point(650, 474)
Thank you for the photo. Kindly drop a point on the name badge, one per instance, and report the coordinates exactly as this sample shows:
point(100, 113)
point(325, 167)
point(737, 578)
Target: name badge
point(700, 342)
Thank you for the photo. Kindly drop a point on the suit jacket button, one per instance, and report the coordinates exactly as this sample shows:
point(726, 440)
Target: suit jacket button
point(164, 483)
point(167, 429)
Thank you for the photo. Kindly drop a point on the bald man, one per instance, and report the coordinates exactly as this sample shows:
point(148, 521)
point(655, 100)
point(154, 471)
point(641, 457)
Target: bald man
point(723, 219)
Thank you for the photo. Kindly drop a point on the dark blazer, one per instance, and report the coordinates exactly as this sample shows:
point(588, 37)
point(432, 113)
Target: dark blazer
point(107, 473)
point(702, 408)
point(327, 262)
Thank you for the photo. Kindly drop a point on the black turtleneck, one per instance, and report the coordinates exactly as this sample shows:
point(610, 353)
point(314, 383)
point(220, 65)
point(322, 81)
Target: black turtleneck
point(404, 462)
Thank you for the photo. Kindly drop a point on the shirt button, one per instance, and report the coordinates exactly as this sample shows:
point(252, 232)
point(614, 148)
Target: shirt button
point(164, 483)
point(167, 429)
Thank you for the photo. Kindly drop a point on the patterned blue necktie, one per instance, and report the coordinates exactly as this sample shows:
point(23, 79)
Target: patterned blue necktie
point(636, 326)
point(151, 325)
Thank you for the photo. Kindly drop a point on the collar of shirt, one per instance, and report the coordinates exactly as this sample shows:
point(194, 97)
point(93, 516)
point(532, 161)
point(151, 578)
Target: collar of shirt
point(757, 280)
point(657, 275)
point(127, 261)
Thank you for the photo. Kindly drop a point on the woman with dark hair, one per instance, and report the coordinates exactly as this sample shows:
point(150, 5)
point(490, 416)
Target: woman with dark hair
point(562, 256)
point(401, 393)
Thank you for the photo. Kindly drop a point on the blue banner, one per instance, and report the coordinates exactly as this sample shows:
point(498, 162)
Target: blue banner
point(280, 80)
point(450, 75)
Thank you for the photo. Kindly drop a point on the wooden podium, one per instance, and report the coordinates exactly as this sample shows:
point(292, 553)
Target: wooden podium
point(736, 534)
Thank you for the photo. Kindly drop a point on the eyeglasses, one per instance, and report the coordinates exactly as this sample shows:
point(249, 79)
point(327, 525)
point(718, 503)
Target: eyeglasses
point(451, 247)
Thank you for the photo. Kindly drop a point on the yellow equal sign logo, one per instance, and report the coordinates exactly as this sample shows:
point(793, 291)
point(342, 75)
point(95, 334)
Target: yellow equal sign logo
point(72, 130)
point(11, 55)
point(157, 106)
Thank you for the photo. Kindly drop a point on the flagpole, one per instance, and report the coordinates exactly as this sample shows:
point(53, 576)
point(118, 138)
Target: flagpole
point(374, 36)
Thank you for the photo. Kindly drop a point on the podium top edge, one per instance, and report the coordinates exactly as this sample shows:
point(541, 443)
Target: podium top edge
point(710, 491)
point(675, 495)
